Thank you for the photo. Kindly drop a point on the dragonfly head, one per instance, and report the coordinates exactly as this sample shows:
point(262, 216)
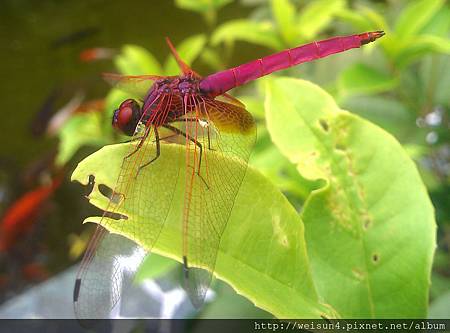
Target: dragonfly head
point(127, 116)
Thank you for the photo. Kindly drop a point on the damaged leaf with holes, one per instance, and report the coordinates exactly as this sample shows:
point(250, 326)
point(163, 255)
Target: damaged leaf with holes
point(370, 230)
point(261, 216)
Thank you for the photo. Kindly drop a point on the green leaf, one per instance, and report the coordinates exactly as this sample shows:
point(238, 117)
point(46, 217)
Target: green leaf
point(370, 230)
point(434, 70)
point(135, 60)
point(201, 6)
point(284, 14)
point(261, 33)
point(212, 58)
point(356, 18)
point(153, 267)
point(276, 167)
point(415, 16)
point(419, 46)
point(80, 130)
point(386, 112)
point(316, 15)
point(263, 240)
point(364, 19)
point(376, 20)
point(439, 24)
point(188, 50)
point(362, 79)
point(254, 105)
point(208, 8)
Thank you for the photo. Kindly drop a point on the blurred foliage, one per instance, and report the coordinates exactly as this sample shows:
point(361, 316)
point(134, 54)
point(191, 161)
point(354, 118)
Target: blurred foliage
point(208, 8)
point(399, 83)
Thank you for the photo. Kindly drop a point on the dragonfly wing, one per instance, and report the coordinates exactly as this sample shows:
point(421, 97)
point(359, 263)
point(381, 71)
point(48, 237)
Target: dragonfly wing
point(226, 134)
point(111, 269)
point(135, 85)
point(227, 98)
point(100, 279)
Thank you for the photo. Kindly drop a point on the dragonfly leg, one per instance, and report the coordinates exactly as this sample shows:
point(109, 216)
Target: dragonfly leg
point(134, 139)
point(142, 138)
point(198, 144)
point(167, 137)
point(158, 152)
point(209, 141)
point(196, 120)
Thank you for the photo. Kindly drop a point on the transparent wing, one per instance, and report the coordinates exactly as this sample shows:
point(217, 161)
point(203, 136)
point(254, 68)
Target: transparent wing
point(227, 98)
point(135, 85)
point(105, 273)
point(111, 260)
point(220, 137)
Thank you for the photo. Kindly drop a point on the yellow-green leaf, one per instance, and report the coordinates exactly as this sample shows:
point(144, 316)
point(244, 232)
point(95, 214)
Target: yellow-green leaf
point(362, 79)
point(261, 33)
point(415, 16)
point(316, 15)
point(135, 60)
point(263, 241)
point(188, 50)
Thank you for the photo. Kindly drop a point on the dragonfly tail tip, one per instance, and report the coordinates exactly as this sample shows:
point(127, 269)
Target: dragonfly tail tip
point(379, 33)
point(369, 37)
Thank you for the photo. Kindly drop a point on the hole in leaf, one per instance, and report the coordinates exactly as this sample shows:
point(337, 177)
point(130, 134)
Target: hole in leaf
point(90, 185)
point(340, 146)
point(375, 258)
point(323, 123)
point(115, 216)
point(105, 190)
point(110, 194)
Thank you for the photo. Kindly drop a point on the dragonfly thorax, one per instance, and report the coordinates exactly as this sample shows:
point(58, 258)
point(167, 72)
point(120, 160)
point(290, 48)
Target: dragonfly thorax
point(181, 85)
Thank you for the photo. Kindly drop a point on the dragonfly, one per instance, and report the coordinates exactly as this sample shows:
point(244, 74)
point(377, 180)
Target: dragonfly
point(212, 128)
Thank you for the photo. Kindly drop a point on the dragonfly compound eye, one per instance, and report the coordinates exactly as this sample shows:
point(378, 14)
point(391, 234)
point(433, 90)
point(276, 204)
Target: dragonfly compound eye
point(127, 116)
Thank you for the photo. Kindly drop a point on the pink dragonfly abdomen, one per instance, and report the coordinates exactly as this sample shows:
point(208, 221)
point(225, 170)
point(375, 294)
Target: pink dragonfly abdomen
point(223, 81)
